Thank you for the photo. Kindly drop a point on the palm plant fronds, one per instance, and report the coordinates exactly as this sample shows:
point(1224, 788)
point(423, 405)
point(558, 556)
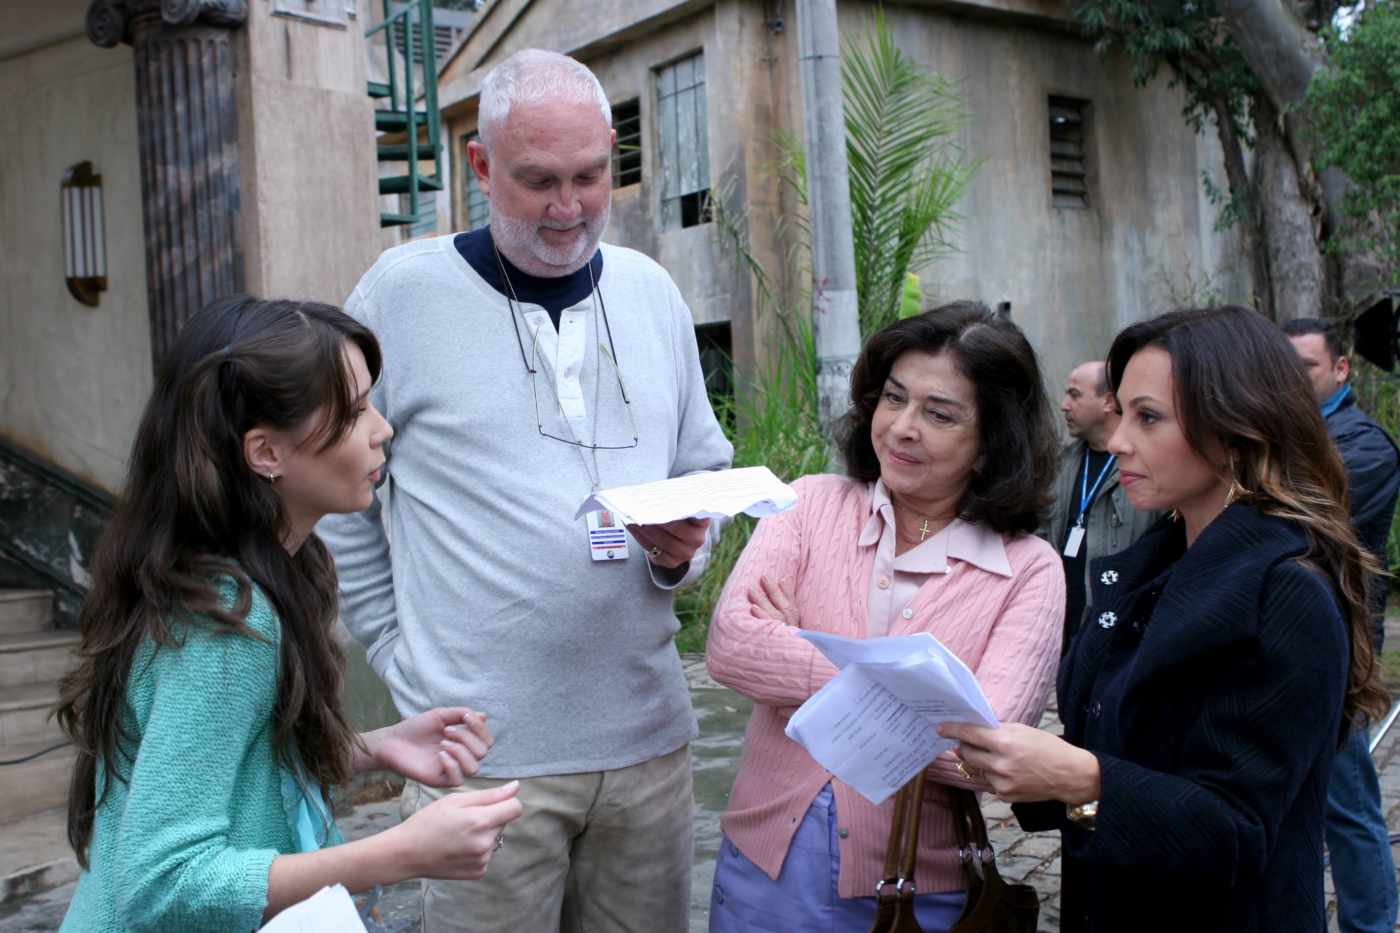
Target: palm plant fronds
point(906, 171)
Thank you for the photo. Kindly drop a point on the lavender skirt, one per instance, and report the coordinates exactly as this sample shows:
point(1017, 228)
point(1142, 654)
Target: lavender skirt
point(804, 899)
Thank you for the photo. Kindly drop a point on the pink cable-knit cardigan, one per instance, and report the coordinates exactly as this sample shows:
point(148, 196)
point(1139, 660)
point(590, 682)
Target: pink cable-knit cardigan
point(1006, 629)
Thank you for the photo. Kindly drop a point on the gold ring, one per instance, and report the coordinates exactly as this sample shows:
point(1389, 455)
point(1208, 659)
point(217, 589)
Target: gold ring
point(962, 769)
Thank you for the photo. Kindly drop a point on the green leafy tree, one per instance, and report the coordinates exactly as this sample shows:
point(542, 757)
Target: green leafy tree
point(1244, 67)
point(1356, 107)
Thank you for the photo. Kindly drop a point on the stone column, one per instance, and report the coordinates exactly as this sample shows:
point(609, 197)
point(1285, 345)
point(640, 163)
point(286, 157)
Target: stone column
point(188, 127)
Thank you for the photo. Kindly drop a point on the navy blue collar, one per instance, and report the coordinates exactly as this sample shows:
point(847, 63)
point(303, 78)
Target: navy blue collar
point(554, 295)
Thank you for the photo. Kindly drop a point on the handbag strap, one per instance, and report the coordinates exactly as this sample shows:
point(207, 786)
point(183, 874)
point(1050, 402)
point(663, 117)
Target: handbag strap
point(892, 847)
point(974, 847)
point(971, 828)
point(902, 850)
point(912, 819)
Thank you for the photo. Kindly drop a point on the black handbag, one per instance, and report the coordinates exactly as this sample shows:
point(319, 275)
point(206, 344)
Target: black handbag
point(992, 906)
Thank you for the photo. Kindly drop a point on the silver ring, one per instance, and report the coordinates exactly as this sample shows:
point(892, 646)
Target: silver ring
point(654, 553)
point(500, 840)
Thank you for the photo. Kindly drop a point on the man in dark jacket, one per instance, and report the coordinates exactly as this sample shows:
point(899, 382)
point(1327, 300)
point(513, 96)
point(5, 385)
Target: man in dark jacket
point(1363, 870)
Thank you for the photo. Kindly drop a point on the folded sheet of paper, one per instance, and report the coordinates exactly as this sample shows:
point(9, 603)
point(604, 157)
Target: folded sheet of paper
point(875, 724)
point(714, 494)
point(329, 910)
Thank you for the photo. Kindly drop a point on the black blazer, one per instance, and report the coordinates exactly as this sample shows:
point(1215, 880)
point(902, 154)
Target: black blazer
point(1209, 684)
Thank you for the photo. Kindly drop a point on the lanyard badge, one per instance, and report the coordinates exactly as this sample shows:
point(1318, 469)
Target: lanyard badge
point(607, 540)
point(1086, 498)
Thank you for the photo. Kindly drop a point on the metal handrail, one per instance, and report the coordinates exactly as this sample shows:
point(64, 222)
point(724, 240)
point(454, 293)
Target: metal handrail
point(1384, 727)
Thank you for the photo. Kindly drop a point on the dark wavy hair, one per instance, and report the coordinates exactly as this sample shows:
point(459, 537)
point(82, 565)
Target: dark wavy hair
point(1238, 383)
point(194, 514)
point(1010, 490)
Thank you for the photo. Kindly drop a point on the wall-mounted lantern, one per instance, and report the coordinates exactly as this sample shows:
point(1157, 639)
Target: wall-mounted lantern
point(84, 234)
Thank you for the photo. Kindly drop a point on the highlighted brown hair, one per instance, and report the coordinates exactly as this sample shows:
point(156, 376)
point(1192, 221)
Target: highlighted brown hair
point(1238, 383)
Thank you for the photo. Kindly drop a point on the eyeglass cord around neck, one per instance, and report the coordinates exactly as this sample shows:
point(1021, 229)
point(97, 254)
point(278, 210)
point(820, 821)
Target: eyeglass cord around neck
point(513, 300)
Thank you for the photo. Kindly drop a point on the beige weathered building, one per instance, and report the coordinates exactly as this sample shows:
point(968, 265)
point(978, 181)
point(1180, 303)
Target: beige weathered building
point(1075, 270)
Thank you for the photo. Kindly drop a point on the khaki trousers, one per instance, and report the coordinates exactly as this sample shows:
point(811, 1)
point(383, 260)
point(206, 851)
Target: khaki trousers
point(599, 852)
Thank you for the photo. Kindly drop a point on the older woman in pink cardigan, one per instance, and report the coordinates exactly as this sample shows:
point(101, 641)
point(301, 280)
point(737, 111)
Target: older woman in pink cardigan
point(950, 451)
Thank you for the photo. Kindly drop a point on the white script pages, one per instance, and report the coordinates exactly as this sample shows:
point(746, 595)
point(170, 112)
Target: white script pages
point(713, 494)
point(329, 910)
point(875, 725)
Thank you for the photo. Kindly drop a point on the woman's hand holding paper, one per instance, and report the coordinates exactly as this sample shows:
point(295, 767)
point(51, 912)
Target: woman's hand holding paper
point(1022, 763)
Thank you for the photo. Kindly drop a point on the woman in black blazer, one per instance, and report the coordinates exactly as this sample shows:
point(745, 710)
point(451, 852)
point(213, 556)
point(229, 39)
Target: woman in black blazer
point(1222, 658)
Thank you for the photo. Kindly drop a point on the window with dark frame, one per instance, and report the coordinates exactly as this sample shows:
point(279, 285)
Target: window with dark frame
point(474, 201)
point(715, 344)
point(627, 154)
point(1069, 172)
point(682, 132)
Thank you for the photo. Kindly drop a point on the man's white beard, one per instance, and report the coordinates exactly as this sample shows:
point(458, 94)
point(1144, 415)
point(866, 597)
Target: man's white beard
point(521, 243)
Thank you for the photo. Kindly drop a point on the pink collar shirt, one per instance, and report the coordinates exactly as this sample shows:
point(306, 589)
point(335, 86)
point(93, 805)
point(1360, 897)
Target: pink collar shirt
point(896, 580)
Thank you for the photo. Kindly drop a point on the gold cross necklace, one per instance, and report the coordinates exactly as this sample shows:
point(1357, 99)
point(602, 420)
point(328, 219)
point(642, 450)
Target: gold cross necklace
point(924, 529)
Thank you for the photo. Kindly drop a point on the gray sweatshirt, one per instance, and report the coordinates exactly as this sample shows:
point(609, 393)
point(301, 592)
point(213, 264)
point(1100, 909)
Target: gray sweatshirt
point(489, 597)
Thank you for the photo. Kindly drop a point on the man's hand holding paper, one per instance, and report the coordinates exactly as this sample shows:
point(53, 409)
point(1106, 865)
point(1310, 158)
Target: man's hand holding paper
point(712, 494)
point(671, 544)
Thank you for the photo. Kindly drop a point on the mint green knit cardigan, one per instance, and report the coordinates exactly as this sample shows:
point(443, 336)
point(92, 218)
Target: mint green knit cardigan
point(186, 843)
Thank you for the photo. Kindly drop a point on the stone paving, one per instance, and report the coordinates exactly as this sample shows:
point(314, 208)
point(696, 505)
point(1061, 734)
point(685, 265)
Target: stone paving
point(1029, 857)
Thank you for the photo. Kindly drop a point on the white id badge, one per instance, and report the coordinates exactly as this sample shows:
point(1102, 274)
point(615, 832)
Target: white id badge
point(1076, 538)
point(607, 539)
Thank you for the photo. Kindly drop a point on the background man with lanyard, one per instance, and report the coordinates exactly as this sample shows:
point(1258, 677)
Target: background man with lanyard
point(1092, 516)
point(525, 365)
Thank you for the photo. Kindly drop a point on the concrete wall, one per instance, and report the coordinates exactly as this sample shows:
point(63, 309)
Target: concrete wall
point(306, 134)
point(1074, 276)
point(73, 379)
point(508, 25)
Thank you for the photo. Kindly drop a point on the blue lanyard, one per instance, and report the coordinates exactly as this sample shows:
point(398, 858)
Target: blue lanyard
point(1086, 493)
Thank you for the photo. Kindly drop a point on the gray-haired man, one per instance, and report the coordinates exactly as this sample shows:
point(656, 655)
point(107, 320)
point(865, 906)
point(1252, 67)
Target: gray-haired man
point(526, 365)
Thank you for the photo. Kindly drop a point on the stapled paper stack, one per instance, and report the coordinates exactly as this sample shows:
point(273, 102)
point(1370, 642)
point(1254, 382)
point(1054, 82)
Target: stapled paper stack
point(875, 725)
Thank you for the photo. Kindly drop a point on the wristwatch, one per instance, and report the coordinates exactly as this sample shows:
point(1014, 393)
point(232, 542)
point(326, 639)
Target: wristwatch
point(1085, 815)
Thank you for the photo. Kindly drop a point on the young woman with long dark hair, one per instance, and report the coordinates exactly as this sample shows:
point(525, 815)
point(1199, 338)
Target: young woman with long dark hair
point(207, 703)
point(1223, 657)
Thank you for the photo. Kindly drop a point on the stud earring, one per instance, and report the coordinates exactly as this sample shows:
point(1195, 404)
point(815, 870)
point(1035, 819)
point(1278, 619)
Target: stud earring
point(272, 477)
